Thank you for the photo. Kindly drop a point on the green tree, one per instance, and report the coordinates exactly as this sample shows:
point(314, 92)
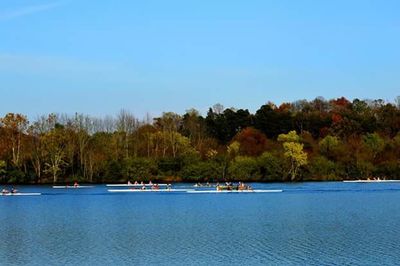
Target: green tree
point(322, 168)
point(374, 143)
point(270, 167)
point(365, 169)
point(140, 169)
point(329, 146)
point(233, 149)
point(289, 137)
point(244, 168)
point(3, 171)
point(201, 171)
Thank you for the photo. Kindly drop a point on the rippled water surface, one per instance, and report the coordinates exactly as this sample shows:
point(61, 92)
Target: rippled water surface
point(307, 224)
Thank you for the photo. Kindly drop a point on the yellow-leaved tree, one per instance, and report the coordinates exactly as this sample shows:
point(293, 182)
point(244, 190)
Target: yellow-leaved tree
point(293, 152)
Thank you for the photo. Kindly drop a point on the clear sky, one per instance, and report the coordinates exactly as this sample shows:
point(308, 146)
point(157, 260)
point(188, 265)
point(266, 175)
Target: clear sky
point(97, 57)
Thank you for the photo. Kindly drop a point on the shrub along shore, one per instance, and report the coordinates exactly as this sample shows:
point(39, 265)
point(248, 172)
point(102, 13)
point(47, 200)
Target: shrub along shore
point(314, 140)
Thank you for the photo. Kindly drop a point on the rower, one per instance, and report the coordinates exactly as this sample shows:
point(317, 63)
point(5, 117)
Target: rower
point(13, 190)
point(136, 182)
point(144, 187)
point(4, 191)
point(76, 184)
point(129, 183)
point(150, 183)
point(142, 183)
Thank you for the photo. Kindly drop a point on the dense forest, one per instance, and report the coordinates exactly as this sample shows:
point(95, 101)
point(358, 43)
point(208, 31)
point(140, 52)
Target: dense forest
point(305, 140)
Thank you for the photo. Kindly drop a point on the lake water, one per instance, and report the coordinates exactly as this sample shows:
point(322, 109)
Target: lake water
point(308, 224)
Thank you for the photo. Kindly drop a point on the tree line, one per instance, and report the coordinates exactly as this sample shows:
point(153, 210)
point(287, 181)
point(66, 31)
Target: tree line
point(305, 140)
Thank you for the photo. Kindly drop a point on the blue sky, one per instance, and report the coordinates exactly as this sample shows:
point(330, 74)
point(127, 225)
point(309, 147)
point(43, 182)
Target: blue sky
point(97, 57)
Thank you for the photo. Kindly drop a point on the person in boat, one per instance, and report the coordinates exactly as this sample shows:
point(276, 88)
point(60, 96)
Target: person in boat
point(13, 190)
point(76, 184)
point(144, 187)
point(169, 186)
point(242, 186)
point(155, 187)
point(129, 183)
point(142, 183)
point(228, 184)
point(136, 182)
point(4, 191)
point(150, 183)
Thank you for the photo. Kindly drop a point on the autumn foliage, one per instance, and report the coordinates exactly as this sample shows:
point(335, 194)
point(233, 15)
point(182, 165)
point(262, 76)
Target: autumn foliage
point(252, 141)
point(303, 140)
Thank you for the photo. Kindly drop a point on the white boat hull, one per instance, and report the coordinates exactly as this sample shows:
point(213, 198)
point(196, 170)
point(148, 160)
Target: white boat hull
point(146, 190)
point(65, 187)
point(371, 181)
point(21, 194)
point(134, 185)
point(237, 191)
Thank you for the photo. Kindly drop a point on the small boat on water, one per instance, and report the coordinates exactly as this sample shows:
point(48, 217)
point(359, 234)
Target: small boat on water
point(371, 181)
point(20, 194)
point(231, 187)
point(147, 190)
point(203, 185)
point(74, 187)
point(135, 185)
point(236, 191)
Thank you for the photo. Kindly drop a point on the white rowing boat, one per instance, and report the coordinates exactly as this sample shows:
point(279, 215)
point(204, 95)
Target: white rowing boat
point(237, 191)
point(72, 187)
point(135, 185)
point(20, 194)
point(371, 181)
point(148, 190)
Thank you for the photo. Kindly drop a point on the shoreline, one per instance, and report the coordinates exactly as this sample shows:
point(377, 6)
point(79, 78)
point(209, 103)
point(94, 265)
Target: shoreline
point(211, 183)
